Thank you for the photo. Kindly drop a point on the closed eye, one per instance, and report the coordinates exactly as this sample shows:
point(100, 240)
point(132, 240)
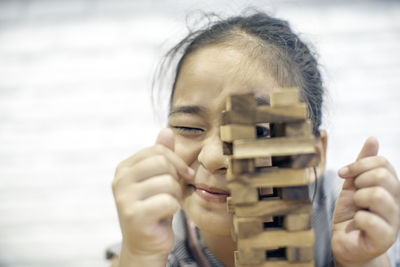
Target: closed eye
point(184, 130)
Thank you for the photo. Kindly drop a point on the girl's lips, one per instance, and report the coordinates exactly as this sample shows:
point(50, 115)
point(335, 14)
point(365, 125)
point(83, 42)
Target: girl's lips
point(211, 194)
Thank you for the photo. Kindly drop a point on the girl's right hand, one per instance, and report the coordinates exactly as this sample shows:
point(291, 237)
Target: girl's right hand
point(146, 189)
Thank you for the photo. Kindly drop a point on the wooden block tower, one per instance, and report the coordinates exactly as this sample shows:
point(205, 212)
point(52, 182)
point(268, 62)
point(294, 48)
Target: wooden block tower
point(271, 149)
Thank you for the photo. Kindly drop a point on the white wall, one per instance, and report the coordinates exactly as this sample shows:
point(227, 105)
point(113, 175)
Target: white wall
point(74, 101)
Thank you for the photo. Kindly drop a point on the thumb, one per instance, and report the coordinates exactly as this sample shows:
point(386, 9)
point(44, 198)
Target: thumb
point(370, 148)
point(166, 138)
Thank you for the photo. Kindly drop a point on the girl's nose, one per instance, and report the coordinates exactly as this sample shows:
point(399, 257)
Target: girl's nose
point(211, 155)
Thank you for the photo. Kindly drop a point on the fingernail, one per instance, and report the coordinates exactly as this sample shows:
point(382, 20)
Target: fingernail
point(344, 171)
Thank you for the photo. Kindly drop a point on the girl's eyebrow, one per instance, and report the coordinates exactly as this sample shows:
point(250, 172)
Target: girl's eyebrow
point(199, 110)
point(196, 110)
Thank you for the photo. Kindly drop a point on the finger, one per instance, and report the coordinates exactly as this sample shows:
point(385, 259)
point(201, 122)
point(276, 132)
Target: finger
point(365, 164)
point(378, 201)
point(148, 167)
point(379, 235)
point(370, 148)
point(157, 208)
point(157, 185)
point(182, 168)
point(379, 177)
point(166, 138)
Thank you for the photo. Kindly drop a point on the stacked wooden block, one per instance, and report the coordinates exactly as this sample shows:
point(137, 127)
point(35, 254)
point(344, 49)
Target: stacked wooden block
point(271, 152)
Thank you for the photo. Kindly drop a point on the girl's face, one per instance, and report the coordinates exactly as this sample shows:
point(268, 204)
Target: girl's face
point(207, 77)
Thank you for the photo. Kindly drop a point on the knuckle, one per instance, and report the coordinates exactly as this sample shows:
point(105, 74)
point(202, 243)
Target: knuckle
point(382, 160)
point(371, 222)
point(123, 174)
point(126, 212)
point(169, 202)
point(132, 212)
point(114, 186)
point(378, 195)
point(161, 161)
point(380, 175)
point(159, 148)
point(352, 168)
point(359, 218)
point(169, 181)
point(118, 169)
point(391, 235)
point(171, 187)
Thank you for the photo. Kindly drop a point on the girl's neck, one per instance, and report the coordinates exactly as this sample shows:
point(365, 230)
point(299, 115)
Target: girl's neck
point(221, 246)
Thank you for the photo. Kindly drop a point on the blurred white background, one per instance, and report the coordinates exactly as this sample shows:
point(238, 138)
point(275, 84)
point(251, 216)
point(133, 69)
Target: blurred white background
point(75, 100)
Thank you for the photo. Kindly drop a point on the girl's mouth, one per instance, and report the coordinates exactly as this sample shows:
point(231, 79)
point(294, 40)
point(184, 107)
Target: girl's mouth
point(211, 194)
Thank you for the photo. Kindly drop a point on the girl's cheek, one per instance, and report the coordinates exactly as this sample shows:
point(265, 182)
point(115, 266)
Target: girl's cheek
point(187, 149)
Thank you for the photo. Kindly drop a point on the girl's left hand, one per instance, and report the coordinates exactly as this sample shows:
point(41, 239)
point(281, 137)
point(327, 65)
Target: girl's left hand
point(367, 214)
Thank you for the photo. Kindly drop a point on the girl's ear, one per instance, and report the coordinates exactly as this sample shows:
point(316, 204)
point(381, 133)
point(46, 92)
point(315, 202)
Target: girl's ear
point(322, 145)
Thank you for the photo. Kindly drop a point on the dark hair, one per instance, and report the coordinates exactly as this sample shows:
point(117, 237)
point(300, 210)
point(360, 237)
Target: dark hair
point(267, 38)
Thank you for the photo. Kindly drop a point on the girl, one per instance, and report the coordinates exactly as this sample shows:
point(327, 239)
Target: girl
point(185, 169)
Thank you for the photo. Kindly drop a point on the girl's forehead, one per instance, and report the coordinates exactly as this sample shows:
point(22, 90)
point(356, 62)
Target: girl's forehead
point(210, 74)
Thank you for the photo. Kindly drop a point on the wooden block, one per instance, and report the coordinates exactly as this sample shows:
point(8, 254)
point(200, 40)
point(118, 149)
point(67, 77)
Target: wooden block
point(250, 256)
point(227, 148)
point(246, 227)
point(263, 162)
point(242, 194)
point(278, 238)
point(277, 177)
point(279, 146)
point(299, 161)
point(242, 103)
point(285, 97)
point(263, 114)
point(237, 117)
point(297, 222)
point(239, 166)
point(233, 132)
point(302, 128)
point(233, 235)
point(230, 206)
point(295, 193)
point(236, 257)
point(269, 114)
point(267, 192)
point(279, 263)
point(273, 207)
point(300, 254)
